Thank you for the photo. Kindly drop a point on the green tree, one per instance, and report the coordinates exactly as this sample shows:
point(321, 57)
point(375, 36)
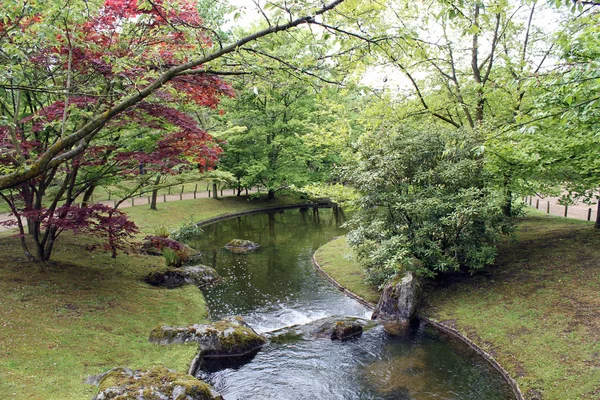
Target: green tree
point(564, 127)
point(467, 65)
point(270, 150)
point(424, 205)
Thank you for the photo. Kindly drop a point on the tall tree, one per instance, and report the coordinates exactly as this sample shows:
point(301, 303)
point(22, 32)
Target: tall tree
point(128, 49)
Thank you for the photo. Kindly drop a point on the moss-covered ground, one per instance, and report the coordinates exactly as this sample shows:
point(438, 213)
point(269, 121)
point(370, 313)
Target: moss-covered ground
point(84, 313)
point(537, 311)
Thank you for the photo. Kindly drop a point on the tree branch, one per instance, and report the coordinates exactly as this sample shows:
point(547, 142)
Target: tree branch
point(53, 156)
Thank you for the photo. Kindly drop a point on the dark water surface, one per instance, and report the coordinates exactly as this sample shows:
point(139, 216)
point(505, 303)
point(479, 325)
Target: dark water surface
point(279, 293)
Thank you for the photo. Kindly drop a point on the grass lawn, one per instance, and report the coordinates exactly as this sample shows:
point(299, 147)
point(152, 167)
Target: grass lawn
point(84, 313)
point(537, 311)
point(173, 214)
point(336, 259)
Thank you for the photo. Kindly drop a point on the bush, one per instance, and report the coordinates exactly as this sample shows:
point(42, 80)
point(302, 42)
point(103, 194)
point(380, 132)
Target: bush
point(424, 205)
point(186, 231)
point(175, 253)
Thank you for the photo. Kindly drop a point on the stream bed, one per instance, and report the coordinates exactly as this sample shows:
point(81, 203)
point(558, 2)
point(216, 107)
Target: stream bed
point(281, 295)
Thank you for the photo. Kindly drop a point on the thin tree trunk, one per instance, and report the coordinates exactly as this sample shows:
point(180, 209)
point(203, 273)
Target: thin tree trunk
point(597, 224)
point(87, 195)
point(507, 204)
point(154, 194)
point(49, 245)
point(214, 191)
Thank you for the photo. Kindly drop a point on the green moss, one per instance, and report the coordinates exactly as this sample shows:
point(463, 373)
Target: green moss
point(157, 379)
point(160, 334)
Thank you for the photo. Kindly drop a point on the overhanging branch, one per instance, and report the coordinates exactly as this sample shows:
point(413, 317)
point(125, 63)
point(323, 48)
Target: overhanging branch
point(54, 154)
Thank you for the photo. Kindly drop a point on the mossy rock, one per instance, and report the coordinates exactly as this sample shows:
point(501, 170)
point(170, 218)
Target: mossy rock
point(400, 299)
point(198, 275)
point(229, 338)
point(240, 246)
point(339, 330)
point(154, 384)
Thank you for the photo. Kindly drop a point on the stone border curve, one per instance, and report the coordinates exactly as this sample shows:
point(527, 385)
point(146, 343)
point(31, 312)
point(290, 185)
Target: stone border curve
point(223, 217)
point(438, 325)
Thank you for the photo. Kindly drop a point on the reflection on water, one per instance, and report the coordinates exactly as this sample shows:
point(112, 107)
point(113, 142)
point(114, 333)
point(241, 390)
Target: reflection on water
point(276, 289)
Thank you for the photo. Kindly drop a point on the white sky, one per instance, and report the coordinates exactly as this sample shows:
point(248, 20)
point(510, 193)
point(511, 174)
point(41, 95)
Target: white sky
point(381, 77)
point(248, 9)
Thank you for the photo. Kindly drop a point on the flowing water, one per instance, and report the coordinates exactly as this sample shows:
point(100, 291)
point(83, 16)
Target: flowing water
point(279, 293)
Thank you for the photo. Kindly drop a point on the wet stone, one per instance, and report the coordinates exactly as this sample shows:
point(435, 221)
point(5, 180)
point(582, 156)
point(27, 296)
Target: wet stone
point(339, 330)
point(240, 246)
point(198, 275)
point(228, 339)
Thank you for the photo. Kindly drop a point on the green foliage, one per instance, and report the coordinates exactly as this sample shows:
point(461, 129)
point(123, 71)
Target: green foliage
point(567, 115)
point(270, 151)
point(425, 206)
point(172, 258)
point(186, 231)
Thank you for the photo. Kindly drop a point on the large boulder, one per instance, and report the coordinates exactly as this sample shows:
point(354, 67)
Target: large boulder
point(154, 384)
point(239, 246)
point(339, 330)
point(400, 299)
point(229, 338)
point(198, 275)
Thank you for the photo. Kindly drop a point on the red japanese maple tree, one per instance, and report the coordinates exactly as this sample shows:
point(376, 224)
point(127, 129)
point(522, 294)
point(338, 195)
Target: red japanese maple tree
point(123, 44)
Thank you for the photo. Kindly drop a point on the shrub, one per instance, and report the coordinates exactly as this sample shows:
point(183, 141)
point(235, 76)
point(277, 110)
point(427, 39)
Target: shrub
point(424, 205)
point(186, 231)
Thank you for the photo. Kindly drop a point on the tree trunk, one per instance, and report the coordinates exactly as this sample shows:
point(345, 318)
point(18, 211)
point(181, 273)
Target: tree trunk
point(214, 191)
point(507, 204)
point(271, 195)
point(87, 195)
point(49, 246)
point(154, 194)
point(597, 224)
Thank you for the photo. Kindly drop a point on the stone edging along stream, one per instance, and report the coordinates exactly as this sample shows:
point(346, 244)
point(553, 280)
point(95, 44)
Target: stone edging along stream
point(438, 325)
point(260, 210)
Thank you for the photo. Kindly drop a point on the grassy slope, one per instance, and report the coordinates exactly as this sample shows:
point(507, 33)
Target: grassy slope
point(84, 313)
point(537, 311)
point(171, 215)
point(335, 258)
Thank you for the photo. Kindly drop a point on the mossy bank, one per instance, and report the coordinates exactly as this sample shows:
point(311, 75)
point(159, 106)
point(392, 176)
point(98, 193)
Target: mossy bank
point(84, 313)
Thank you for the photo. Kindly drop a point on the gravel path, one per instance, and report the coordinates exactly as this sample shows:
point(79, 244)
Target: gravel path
point(550, 205)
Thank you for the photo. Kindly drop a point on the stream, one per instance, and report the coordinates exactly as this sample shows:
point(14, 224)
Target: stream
point(280, 294)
